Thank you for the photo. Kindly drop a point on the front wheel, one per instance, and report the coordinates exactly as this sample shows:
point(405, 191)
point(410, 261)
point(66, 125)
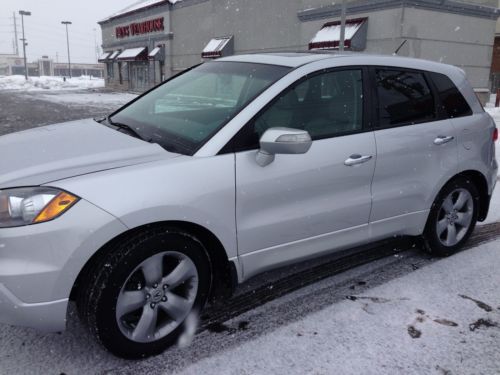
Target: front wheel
point(141, 293)
point(452, 217)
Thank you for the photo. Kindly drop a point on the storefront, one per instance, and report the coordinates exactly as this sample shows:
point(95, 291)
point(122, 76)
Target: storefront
point(134, 43)
point(154, 39)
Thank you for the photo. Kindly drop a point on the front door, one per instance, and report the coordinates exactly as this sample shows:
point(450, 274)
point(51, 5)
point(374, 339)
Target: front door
point(302, 205)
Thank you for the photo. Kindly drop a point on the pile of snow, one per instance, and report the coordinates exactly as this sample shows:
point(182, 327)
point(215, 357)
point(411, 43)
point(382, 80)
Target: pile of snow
point(18, 82)
point(84, 99)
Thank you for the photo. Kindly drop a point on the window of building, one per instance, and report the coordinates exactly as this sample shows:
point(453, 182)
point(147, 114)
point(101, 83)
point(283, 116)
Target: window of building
point(110, 69)
point(453, 102)
point(404, 97)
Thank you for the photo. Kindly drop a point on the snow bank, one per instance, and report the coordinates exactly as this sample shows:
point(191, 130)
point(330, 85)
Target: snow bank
point(84, 99)
point(17, 82)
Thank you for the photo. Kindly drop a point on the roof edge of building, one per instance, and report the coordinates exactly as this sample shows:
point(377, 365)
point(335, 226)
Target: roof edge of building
point(365, 6)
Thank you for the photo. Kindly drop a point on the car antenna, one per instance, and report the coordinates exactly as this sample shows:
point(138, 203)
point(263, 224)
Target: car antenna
point(400, 46)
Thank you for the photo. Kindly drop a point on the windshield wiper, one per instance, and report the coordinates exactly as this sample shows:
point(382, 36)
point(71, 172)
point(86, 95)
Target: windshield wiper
point(125, 127)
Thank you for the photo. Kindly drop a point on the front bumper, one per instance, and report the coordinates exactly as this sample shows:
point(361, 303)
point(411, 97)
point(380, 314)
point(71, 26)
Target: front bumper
point(40, 263)
point(47, 316)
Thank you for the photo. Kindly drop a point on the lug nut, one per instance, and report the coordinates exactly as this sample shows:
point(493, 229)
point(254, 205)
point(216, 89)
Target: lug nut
point(153, 305)
point(164, 299)
point(148, 296)
point(155, 285)
point(165, 286)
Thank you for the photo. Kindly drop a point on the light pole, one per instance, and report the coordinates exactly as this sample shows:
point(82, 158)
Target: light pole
point(342, 26)
point(24, 13)
point(66, 23)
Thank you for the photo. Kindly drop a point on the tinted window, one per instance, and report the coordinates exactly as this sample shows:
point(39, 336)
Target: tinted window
point(454, 104)
point(325, 105)
point(182, 114)
point(404, 97)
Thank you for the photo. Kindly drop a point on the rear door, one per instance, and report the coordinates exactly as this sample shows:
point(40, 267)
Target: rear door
point(416, 151)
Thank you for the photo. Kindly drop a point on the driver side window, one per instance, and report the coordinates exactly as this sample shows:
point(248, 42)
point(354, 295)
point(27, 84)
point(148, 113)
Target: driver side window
point(326, 105)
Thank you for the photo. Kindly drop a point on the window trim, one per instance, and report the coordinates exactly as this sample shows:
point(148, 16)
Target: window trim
point(376, 101)
point(234, 144)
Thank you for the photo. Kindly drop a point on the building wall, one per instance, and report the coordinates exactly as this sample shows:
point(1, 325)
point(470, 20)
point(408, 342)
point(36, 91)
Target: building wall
point(258, 25)
point(440, 31)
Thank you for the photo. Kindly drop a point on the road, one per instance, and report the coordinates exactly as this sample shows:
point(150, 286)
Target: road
point(260, 307)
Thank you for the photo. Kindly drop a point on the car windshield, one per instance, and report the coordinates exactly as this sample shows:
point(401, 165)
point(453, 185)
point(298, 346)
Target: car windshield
point(186, 111)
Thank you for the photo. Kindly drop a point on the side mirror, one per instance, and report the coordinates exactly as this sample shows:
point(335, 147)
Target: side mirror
point(282, 141)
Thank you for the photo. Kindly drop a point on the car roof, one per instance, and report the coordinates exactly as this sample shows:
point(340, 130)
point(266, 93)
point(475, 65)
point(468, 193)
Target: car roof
point(297, 59)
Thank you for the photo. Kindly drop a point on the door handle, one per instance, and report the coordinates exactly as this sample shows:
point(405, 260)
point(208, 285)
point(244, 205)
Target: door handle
point(441, 139)
point(356, 159)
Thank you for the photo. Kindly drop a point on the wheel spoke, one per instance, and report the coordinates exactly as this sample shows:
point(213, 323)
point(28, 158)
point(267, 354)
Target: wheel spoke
point(451, 237)
point(448, 204)
point(129, 301)
point(464, 219)
point(184, 271)
point(441, 226)
point(176, 306)
point(462, 199)
point(153, 269)
point(146, 326)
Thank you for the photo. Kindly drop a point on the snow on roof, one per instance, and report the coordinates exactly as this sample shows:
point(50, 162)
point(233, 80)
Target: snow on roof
point(131, 53)
point(114, 55)
point(154, 52)
point(139, 5)
point(215, 46)
point(332, 33)
point(329, 35)
point(104, 56)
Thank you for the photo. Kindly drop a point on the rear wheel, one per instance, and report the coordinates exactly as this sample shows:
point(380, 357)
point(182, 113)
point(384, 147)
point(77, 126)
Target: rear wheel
point(138, 298)
point(452, 218)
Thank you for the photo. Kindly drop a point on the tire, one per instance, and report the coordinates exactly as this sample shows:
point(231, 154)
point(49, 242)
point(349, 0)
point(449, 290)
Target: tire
point(120, 303)
point(456, 206)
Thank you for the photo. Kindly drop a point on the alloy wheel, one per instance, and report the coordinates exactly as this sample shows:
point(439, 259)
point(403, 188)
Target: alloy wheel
point(455, 217)
point(157, 296)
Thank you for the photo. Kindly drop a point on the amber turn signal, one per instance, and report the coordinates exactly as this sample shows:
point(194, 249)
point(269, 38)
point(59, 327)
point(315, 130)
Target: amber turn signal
point(60, 203)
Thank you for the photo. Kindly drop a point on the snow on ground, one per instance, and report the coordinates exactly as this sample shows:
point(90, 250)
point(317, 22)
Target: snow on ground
point(17, 82)
point(494, 213)
point(441, 319)
point(99, 99)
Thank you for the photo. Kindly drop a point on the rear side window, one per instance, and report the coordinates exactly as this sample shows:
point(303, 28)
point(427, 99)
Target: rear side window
point(404, 98)
point(452, 101)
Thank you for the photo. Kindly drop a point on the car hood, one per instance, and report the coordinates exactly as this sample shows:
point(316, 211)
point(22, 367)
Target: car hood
point(49, 153)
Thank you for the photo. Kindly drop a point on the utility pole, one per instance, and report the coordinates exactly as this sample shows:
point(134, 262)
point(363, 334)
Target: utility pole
point(24, 13)
point(342, 26)
point(16, 42)
point(66, 23)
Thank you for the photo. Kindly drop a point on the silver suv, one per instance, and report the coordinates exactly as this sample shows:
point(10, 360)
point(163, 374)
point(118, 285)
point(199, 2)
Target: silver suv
point(231, 168)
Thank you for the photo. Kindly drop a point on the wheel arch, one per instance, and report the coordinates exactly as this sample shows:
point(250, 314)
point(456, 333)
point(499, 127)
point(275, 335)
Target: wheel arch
point(224, 273)
point(481, 184)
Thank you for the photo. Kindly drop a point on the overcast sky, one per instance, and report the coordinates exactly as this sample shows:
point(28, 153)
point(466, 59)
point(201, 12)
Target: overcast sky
point(45, 33)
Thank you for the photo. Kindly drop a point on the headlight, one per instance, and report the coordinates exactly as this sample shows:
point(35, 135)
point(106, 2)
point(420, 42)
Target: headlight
point(24, 206)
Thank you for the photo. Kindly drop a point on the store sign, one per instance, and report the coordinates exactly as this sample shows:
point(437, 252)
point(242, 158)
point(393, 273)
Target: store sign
point(146, 27)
